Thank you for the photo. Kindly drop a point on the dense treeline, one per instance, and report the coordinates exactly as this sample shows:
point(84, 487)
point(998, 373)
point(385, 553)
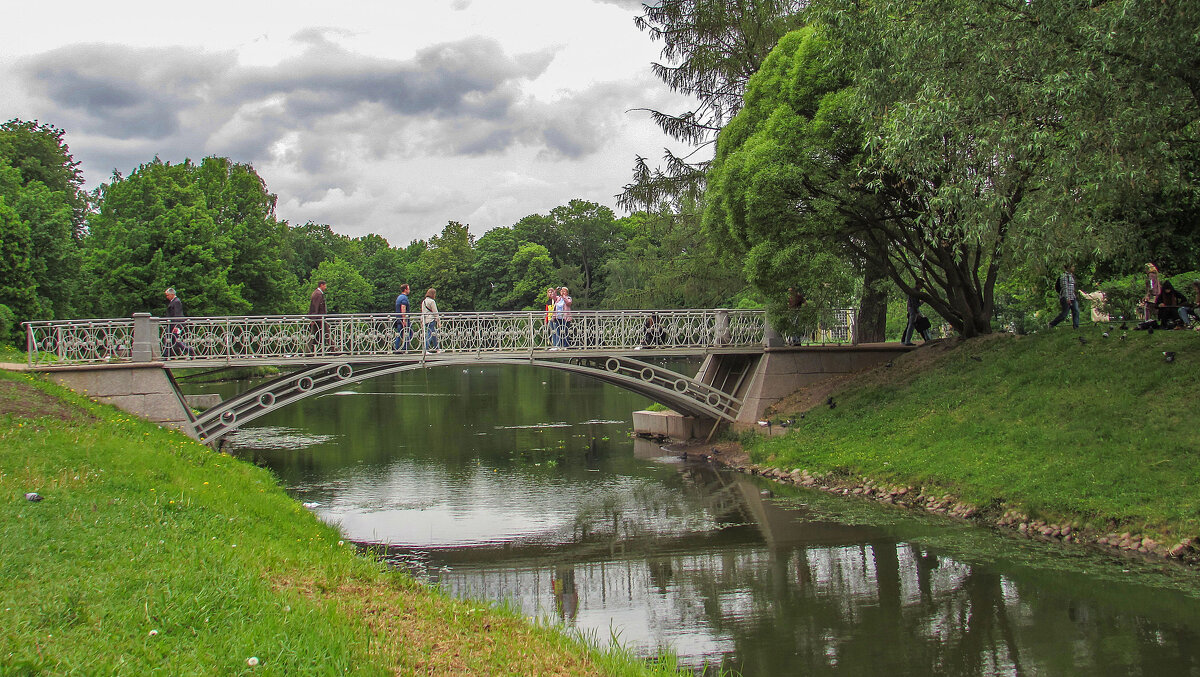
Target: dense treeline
point(858, 149)
point(209, 230)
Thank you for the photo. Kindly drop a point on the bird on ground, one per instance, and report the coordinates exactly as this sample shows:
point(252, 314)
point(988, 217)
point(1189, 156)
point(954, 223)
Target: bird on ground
point(1149, 331)
point(889, 364)
point(1105, 334)
point(1082, 340)
point(1124, 326)
point(1123, 335)
point(831, 403)
point(1169, 355)
point(977, 358)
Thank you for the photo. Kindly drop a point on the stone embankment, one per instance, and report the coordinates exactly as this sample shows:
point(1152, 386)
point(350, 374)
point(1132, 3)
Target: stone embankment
point(1187, 550)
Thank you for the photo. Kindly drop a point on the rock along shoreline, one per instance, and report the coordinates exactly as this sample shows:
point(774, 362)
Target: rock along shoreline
point(731, 455)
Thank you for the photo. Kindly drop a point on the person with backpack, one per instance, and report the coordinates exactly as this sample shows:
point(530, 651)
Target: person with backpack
point(1068, 299)
point(916, 321)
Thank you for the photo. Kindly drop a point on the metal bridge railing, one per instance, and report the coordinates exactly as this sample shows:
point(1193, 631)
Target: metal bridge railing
point(145, 338)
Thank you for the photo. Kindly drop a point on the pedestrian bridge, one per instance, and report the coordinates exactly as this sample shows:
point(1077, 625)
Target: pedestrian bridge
point(130, 362)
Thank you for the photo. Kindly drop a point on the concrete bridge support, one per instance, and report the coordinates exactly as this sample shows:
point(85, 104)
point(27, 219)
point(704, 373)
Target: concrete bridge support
point(782, 371)
point(142, 389)
point(760, 381)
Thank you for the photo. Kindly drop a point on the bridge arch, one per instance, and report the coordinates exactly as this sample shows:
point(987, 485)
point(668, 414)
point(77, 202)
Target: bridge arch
point(680, 392)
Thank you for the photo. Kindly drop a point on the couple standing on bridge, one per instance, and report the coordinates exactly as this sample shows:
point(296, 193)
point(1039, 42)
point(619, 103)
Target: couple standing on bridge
point(429, 321)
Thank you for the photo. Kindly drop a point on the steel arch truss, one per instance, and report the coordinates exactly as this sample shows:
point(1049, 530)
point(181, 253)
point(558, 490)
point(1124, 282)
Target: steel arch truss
point(682, 393)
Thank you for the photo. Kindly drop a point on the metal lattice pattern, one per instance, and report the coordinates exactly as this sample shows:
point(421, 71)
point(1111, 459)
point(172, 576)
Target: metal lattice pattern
point(229, 338)
point(80, 341)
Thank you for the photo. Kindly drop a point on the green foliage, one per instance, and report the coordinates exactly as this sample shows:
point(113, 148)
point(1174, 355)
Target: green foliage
point(41, 183)
point(155, 230)
point(347, 291)
point(9, 327)
point(531, 274)
point(447, 266)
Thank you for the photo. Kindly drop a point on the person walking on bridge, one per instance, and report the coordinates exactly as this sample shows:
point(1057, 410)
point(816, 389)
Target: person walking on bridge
point(562, 317)
point(316, 316)
point(404, 330)
point(175, 315)
point(429, 320)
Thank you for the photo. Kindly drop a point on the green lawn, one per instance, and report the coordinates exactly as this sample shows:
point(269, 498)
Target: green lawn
point(1105, 433)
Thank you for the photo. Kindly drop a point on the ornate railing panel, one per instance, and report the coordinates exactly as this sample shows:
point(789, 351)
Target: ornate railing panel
point(80, 341)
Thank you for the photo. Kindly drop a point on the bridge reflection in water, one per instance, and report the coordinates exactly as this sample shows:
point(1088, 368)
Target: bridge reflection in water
point(793, 587)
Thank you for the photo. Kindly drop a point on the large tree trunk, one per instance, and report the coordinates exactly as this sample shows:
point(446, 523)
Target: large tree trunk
point(872, 314)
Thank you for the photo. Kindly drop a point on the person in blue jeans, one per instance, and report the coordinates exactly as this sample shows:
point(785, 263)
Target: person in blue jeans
point(1067, 298)
point(404, 330)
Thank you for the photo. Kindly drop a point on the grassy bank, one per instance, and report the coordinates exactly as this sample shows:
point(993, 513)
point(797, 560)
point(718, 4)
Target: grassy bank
point(1104, 433)
point(150, 553)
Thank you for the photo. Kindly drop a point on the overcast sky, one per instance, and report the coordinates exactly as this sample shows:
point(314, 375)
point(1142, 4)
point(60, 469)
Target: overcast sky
point(388, 117)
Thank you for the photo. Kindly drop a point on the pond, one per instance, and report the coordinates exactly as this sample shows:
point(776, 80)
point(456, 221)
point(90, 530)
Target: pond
point(518, 484)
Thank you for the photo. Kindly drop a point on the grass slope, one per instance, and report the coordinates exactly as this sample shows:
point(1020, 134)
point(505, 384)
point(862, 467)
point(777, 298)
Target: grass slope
point(1105, 433)
point(152, 554)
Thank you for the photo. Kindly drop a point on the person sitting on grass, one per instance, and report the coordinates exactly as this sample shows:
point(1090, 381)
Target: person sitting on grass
point(1172, 308)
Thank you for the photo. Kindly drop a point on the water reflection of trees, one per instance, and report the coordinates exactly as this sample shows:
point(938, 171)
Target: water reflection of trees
point(824, 599)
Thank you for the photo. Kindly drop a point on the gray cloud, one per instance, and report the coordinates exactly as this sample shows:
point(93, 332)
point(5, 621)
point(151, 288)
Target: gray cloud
point(119, 92)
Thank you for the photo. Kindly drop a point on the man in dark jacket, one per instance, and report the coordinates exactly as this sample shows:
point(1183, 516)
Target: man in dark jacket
point(173, 340)
point(316, 309)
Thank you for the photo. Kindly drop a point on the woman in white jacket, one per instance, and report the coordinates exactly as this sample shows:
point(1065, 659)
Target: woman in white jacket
point(429, 320)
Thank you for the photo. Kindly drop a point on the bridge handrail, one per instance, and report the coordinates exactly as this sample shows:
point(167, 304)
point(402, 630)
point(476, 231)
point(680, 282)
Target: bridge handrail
point(145, 337)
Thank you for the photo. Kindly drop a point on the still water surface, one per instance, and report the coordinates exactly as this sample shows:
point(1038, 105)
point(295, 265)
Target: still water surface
point(519, 484)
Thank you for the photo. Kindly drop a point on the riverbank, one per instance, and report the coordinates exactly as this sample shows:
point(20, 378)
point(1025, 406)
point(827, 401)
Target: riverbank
point(1067, 435)
point(129, 549)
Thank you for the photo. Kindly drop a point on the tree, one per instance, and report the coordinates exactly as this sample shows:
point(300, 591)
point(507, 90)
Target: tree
point(492, 270)
point(16, 281)
point(154, 230)
point(46, 191)
point(531, 272)
point(447, 266)
point(668, 263)
point(244, 210)
point(1019, 133)
point(347, 290)
point(711, 48)
point(784, 190)
point(590, 234)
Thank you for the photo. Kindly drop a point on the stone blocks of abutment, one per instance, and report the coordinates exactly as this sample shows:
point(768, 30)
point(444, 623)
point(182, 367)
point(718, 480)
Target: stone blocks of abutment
point(781, 372)
point(142, 390)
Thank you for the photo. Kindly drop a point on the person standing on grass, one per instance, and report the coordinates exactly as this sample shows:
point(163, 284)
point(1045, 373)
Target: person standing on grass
point(429, 320)
point(1153, 289)
point(404, 330)
point(1067, 298)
